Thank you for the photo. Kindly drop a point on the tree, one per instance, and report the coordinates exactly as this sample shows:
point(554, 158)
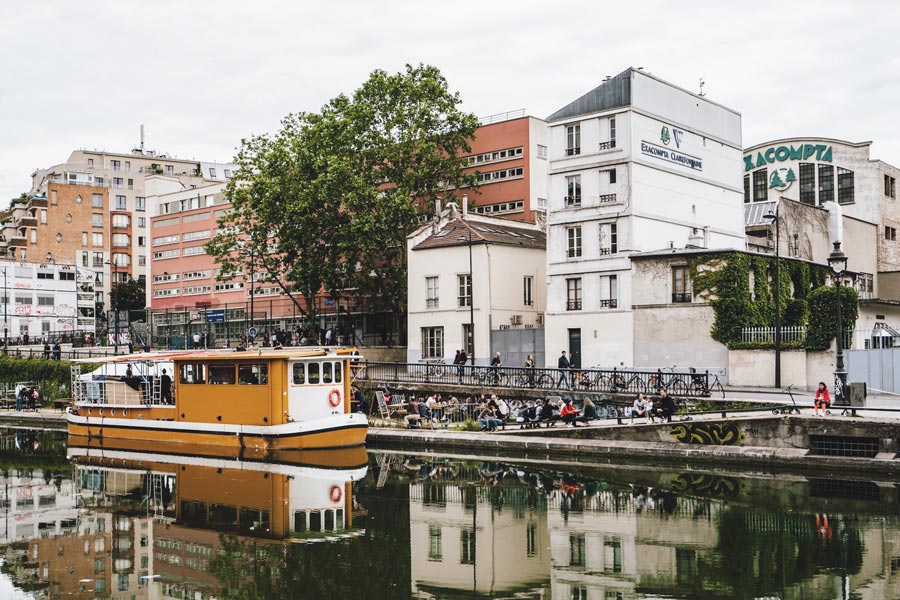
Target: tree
point(327, 202)
point(129, 295)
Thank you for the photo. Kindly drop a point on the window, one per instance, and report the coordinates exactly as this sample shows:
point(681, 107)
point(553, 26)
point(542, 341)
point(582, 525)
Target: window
point(44, 216)
point(573, 140)
point(97, 239)
point(97, 260)
point(98, 181)
point(612, 556)
point(97, 220)
point(826, 184)
point(573, 190)
point(612, 132)
point(66, 276)
point(206, 274)
point(609, 291)
point(121, 203)
point(573, 293)
point(166, 254)
point(41, 274)
point(612, 175)
point(192, 373)
point(865, 285)
point(527, 285)
point(845, 186)
point(221, 374)
point(90, 163)
point(432, 342)
point(760, 189)
point(542, 151)
point(890, 233)
point(97, 200)
point(227, 173)
point(142, 261)
point(493, 176)
point(432, 299)
point(230, 287)
point(121, 221)
point(131, 184)
point(255, 374)
point(746, 189)
point(497, 155)
point(808, 183)
point(118, 183)
point(165, 277)
point(467, 547)
point(195, 235)
point(299, 373)
point(127, 166)
point(212, 172)
point(573, 242)
point(464, 290)
point(170, 170)
point(165, 239)
point(609, 238)
point(142, 241)
point(435, 549)
point(681, 284)
point(115, 165)
point(576, 550)
point(142, 221)
point(45, 300)
point(890, 186)
point(140, 203)
point(121, 240)
point(193, 290)
point(193, 251)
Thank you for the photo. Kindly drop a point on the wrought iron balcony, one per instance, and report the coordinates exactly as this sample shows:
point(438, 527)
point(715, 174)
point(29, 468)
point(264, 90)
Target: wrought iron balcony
point(573, 305)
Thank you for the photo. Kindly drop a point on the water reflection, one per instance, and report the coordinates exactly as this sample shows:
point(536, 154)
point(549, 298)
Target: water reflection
point(108, 522)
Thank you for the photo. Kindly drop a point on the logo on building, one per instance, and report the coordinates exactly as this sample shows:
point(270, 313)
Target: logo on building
point(664, 136)
point(781, 179)
point(818, 152)
point(679, 135)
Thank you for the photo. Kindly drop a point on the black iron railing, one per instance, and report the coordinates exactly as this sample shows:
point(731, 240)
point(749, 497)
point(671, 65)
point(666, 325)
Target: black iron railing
point(676, 382)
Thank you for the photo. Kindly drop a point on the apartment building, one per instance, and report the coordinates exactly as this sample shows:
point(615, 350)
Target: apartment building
point(91, 210)
point(636, 164)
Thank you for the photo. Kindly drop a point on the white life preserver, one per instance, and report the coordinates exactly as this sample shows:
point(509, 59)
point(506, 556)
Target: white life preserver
point(336, 493)
point(334, 397)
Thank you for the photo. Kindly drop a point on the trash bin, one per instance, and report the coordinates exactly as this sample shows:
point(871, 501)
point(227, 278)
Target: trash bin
point(856, 391)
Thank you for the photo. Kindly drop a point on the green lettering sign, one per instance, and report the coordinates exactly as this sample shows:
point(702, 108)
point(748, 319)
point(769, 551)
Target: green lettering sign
point(774, 154)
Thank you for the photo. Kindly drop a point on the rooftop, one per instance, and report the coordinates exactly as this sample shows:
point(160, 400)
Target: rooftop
point(457, 232)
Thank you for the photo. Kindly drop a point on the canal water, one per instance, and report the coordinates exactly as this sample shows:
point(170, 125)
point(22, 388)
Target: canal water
point(83, 521)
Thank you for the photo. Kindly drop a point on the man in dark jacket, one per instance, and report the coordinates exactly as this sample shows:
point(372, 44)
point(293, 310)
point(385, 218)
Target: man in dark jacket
point(563, 365)
point(666, 406)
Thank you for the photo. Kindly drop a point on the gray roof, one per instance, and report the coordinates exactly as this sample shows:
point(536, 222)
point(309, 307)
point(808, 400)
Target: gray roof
point(612, 93)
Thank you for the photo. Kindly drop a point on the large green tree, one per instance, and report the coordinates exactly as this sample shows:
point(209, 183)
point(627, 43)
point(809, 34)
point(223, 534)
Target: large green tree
point(327, 202)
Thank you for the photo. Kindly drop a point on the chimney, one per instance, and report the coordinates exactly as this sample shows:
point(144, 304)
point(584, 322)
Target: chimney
point(437, 207)
point(706, 236)
point(465, 208)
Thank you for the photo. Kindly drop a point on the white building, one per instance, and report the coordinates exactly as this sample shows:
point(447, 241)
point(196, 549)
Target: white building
point(636, 164)
point(46, 298)
point(503, 292)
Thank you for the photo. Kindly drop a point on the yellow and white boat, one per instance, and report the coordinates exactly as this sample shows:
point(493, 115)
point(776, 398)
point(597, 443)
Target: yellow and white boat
point(267, 400)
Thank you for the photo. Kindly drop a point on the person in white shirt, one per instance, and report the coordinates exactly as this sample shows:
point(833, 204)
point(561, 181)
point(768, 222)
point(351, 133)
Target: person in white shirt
point(640, 409)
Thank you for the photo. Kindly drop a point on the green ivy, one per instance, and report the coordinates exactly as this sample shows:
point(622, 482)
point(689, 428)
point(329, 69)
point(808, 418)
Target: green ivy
point(823, 315)
point(724, 280)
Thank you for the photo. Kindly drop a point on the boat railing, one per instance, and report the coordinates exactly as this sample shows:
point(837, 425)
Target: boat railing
point(131, 391)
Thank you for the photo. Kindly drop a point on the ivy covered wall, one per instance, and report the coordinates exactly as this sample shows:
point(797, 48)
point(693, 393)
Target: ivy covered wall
point(740, 288)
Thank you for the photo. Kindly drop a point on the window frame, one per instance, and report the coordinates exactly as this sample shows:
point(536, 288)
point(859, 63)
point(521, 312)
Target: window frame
point(574, 297)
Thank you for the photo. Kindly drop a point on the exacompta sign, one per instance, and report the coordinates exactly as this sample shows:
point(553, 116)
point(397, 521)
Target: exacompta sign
point(671, 156)
point(821, 152)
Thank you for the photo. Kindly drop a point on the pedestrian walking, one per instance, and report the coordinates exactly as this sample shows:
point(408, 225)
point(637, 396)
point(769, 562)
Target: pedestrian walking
point(563, 365)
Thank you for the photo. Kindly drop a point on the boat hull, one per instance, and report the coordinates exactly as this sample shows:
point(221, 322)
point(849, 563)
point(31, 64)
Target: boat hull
point(341, 431)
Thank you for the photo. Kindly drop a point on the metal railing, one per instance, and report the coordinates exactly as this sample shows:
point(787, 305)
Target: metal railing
point(767, 334)
point(503, 116)
point(681, 382)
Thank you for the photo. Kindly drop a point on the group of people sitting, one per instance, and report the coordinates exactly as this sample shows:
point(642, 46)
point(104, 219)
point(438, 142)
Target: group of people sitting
point(644, 408)
point(549, 411)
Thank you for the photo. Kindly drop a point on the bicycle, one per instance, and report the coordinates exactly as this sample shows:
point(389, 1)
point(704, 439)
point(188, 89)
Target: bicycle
point(617, 383)
point(700, 386)
point(670, 380)
point(435, 367)
point(531, 378)
point(491, 377)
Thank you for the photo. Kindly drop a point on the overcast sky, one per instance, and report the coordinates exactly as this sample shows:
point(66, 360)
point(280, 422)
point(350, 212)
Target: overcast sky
point(201, 74)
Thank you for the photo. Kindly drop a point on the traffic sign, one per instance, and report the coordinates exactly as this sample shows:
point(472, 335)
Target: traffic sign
point(252, 332)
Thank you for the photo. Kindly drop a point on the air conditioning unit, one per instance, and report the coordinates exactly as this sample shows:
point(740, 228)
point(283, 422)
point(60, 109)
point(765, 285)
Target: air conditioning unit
point(516, 319)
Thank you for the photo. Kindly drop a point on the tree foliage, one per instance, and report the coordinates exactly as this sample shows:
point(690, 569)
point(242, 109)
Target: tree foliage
point(326, 203)
point(129, 295)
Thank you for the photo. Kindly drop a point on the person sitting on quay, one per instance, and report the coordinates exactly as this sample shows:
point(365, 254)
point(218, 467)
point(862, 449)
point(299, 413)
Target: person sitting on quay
point(569, 414)
point(412, 413)
point(666, 406)
point(548, 413)
point(640, 409)
point(489, 419)
point(588, 412)
point(822, 400)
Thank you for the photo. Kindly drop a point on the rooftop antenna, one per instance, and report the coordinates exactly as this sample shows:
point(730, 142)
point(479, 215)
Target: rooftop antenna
point(702, 83)
point(142, 135)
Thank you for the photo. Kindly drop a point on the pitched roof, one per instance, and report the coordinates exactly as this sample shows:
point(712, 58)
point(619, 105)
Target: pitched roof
point(612, 93)
point(456, 232)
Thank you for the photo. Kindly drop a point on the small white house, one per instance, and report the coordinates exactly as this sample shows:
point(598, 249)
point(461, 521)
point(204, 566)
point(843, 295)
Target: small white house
point(472, 278)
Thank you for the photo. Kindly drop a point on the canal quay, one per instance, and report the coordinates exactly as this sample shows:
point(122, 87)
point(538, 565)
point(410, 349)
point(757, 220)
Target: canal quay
point(86, 520)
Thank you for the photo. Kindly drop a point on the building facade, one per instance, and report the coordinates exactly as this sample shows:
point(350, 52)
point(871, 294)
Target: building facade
point(471, 278)
point(636, 164)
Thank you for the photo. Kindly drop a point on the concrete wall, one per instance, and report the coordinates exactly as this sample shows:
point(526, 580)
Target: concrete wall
point(802, 369)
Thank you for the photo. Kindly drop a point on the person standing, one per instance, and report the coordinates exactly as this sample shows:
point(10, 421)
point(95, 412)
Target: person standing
point(529, 364)
point(496, 363)
point(460, 362)
point(563, 365)
point(165, 388)
point(328, 335)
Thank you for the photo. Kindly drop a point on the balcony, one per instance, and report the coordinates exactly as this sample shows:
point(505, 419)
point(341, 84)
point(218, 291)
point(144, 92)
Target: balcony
point(28, 221)
point(37, 202)
point(681, 297)
point(572, 200)
point(606, 198)
point(574, 150)
point(609, 303)
point(573, 252)
point(607, 145)
point(573, 305)
point(432, 302)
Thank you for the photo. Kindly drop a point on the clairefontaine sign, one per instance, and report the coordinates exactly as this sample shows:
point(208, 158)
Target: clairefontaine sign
point(672, 156)
point(818, 152)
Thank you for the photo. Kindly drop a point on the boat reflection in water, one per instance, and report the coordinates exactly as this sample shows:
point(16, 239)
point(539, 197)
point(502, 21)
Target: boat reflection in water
point(173, 516)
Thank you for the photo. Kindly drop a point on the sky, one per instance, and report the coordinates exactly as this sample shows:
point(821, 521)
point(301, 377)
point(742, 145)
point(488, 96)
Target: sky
point(201, 75)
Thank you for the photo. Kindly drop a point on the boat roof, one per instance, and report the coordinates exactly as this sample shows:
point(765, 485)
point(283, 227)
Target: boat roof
point(226, 354)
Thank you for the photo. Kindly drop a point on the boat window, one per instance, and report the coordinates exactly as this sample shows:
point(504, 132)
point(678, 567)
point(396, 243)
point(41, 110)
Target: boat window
point(313, 375)
point(299, 373)
point(257, 374)
point(221, 374)
point(326, 372)
point(338, 369)
point(192, 373)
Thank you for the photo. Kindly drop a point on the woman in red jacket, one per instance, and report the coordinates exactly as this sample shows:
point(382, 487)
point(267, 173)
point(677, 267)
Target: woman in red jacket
point(822, 400)
point(568, 414)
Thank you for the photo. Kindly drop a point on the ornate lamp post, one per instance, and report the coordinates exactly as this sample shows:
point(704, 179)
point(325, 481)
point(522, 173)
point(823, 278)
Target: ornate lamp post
point(837, 262)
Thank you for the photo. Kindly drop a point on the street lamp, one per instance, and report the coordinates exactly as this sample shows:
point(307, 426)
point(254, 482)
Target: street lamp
point(113, 289)
point(773, 216)
point(471, 340)
point(837, 262)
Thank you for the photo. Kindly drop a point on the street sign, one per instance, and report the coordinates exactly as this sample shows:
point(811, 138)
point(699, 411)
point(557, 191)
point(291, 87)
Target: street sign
point(215, 316)
point(252, 332)
point(329, 302)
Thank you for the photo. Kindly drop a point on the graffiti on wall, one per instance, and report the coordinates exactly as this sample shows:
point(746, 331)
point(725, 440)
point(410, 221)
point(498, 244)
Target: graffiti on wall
point(712, 434)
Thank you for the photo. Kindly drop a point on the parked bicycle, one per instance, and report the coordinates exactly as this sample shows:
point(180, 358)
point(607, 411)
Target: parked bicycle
point(621, 383)
point(534, 378)
point(700, 385)
point(670, 380)
point(435, 367)
point(490, 376)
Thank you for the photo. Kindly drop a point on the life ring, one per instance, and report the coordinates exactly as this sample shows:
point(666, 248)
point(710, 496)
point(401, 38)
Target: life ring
point(336, 493)
point(334, 397)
